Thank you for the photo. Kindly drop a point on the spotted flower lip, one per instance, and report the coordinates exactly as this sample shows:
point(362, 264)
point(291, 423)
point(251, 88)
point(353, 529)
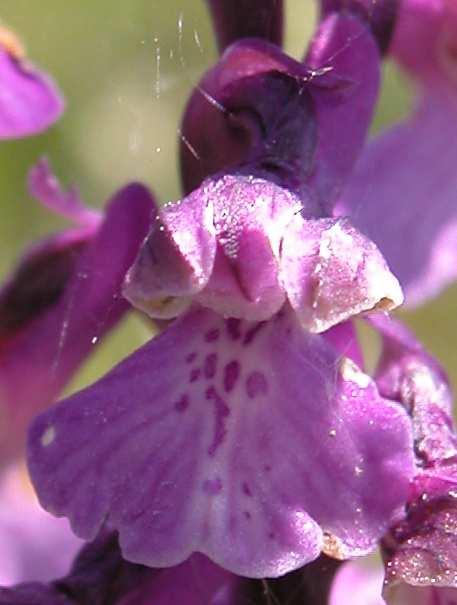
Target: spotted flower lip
point(206, 402)
point(29, 100)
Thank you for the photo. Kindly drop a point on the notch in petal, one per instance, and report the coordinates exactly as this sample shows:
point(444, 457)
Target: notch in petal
point(29, 100)
point(228, 438)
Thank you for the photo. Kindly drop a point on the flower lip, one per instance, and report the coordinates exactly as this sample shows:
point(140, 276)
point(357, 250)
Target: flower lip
point(219, 407)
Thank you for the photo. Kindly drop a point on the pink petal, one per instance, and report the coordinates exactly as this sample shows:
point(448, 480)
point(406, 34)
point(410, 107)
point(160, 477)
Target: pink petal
point(358, 584)
point(228, 438)
point(29, 100)
point(34, 545)
point(44, 186)
point(176, 259)
point(331, 272)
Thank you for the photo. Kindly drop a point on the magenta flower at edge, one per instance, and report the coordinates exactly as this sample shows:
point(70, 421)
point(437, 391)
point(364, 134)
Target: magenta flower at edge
point(29, 100)
point(230, 433)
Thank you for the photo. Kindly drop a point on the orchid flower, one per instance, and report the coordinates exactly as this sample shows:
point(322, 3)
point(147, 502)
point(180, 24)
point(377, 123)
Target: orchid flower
point(230, 432)
point(247, 441)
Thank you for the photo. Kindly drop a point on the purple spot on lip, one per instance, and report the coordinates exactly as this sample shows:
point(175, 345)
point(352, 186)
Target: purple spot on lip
point(233, 328)
point(212, 335)
point(194, 374)
point(231, 375)
point(182, 404)
point(246, 489)
point(209, 367)
point(252, 333)
point(212, 486)
point(256, 384)
point(191, 357)
point(221, 411)
point(247, 514)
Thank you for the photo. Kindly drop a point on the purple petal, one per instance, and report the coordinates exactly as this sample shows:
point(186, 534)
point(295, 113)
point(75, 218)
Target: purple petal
point(48, 327)
point(408, 374)
point(331, 272)
point(343, 338)
point(358, 584)
point(44, 186)
point(403, 189)
point(179, 261)
point(254, 95)
point(29, 100)
point(380, 15)
point(246, 19)
point(229, 438)
point(34, 545)
point(345, 46)
point(176, 259)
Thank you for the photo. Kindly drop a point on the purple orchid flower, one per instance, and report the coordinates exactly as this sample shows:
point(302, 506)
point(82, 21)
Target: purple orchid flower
point(230, 433)
point(29, 100)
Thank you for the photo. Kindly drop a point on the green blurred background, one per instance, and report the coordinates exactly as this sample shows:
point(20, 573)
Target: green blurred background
point(126, 69)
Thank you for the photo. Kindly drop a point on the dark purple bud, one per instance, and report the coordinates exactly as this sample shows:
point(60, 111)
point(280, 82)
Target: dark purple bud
point(246, 19)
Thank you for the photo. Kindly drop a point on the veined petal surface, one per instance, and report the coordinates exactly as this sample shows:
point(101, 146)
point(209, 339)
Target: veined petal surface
point(228, 438)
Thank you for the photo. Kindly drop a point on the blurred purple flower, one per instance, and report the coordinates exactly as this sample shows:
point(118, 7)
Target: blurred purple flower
point(29, 100)
point(404, 185)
